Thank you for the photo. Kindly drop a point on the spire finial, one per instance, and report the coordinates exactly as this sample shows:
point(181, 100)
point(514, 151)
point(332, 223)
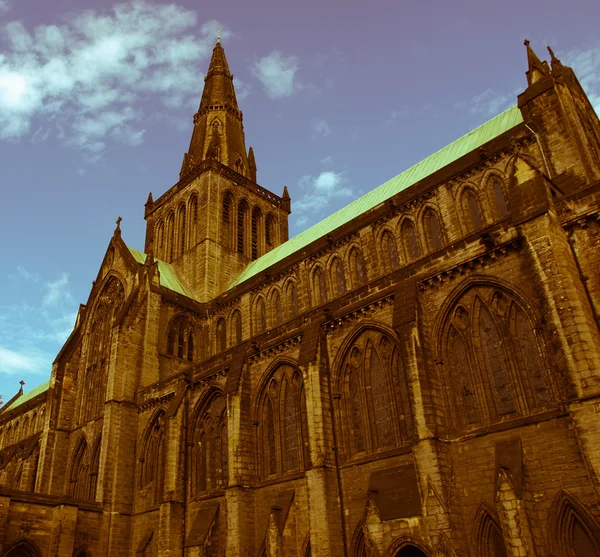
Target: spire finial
point(218, 32)
point(118, 227)
point(536, 69)
point(553, 59)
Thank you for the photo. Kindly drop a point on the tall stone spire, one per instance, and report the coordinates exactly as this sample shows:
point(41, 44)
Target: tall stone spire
point(218, 129)
point(536, 69)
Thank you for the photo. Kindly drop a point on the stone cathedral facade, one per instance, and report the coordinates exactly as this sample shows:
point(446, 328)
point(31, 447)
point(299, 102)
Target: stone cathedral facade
point(416, 375)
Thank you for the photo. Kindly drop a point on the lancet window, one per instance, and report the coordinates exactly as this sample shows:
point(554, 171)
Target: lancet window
point(241, 226)
point(269, 231)
point(84, 472)
point(181, 217)
point(497, 187)
point(472, 211)
point(338, 277)
point(209, 449)
point(375, 408)
point(256, 235)
point(180, 339)
point(237, 327)
point(282, 424)
point(389, 251)
point(276, 308)
point(261, 316)
point(108, 305)
point(228, 218)
point(412, 249)
point(170, 249)
point(193, 211)
point(152, 458)
point(319, 287)
point(359, 270)
point(496, 357)
point(433, 230)
point(292, 295)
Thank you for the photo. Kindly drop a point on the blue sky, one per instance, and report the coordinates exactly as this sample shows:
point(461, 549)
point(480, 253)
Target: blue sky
point(97, 99)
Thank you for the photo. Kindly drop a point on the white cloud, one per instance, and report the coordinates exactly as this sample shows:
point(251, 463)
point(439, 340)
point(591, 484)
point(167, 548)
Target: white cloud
point(320, 193)
point(320, 127)
point(488, 103)
point(242, 89)
point(12, 362)
point(89, 72)
point(395, 115)
point(57, 292)
point(276, 73)
point(23, 273)
point(4, 6)
point(586, 64)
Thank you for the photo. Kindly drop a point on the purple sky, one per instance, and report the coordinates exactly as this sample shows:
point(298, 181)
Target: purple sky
point(97, 99)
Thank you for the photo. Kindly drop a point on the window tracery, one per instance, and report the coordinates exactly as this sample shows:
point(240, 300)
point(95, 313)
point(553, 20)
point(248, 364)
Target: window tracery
point(497, 361)
point(338, 277)
point(109, 303)
point(375, 407)
point(84, 472)
point(389, 251)
point(411, 243)
point(357, 263)
point(151, 469)
point(472, 211)
point(180, 339)
point(209, 453)
point(433, 230)
point(283, 428)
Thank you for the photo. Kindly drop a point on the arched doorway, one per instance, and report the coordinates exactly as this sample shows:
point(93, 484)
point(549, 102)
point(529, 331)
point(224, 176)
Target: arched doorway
point(410, 551)
point(22, 548)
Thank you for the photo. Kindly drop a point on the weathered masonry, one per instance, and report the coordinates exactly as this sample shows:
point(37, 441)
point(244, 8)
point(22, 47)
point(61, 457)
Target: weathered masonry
point(416, 375)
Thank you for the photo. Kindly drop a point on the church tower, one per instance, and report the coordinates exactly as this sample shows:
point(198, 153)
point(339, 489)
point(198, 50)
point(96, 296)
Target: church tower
point(216, 219)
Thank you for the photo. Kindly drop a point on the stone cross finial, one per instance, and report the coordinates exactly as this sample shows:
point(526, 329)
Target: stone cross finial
point(21, 383)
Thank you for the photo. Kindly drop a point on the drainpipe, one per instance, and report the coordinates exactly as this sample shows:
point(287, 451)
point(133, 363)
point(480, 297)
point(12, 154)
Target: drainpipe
point(537, 138)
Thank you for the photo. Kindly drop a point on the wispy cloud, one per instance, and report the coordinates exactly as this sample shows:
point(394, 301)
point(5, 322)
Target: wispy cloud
point(277, 74)
point(90, 71)
point(488, 103)
point(320, 127)
point(586, 64)
point(318, 195)
point(327, 160)
point(57, 292)
point(32, 333)
point(242, 89)
point(395, 115)
point(4, 6)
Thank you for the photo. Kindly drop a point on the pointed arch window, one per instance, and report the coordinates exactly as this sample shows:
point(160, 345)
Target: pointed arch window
point(319, 287)
point(109, 303)
point(256, 225)
point(488, 535)
point(221, 335)
point(282, 431)
point(241, 227)
point(359, 271)
point(193, 210)
point(433, 230)
point(152, 458)
point(497, 360)
point(375, 408)
point(170, 248)
point(497, 187)
point(277, 310)
point(411, 243)
point(472, 211)
point(237, 327)
point(575, 530)
point(269, 231)
point(389, 251)
point(180, 338)
point(338, 277)
point(261, 316)
point(84, 472)
point(182, 230)
point(292, 295)
point(160, 239)
point(210, 461)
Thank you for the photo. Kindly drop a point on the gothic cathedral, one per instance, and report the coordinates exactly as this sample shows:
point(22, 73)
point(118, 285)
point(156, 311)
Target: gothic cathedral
point(417, 375)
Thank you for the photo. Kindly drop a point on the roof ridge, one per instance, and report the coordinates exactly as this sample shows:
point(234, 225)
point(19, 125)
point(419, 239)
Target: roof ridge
point(459, 147)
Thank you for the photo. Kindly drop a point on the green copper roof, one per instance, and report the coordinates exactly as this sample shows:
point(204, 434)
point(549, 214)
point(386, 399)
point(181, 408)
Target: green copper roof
point(168, 277)
point(28, 396)
point(452, 152)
